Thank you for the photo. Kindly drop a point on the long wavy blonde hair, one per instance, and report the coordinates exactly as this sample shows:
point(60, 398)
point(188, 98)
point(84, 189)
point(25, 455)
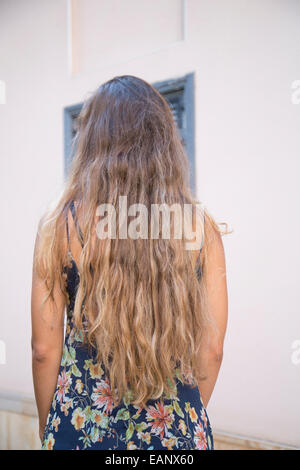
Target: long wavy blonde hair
point(141, 305)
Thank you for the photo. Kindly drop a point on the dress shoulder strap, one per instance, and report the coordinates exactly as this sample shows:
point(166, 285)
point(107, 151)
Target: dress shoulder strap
point(77, 227)
point(198, 266)
point(68, 233)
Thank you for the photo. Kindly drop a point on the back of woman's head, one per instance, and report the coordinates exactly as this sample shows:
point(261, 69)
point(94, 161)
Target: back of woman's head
point(127, 141)
point(144, 308)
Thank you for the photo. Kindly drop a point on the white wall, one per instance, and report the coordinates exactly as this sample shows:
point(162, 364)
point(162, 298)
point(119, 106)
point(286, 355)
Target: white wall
point(245, 55)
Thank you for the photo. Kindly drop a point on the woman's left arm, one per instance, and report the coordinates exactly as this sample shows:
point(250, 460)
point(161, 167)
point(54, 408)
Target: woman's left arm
point(46, 342)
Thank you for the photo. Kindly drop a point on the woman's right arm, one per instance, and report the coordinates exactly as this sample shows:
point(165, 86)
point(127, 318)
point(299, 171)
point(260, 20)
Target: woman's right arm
point(211, 353)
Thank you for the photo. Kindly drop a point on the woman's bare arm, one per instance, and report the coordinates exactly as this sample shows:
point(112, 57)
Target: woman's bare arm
point(46, 343)
point(211, 354)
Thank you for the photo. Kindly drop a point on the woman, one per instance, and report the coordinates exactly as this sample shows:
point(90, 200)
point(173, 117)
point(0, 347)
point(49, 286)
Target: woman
point(145, 316)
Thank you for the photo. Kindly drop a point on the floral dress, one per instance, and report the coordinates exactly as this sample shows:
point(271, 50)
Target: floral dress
point(83, 416)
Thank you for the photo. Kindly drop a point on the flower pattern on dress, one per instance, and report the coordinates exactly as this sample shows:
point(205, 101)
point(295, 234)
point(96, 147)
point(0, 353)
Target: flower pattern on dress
point(200, 437)
point(162, 418)
point(102, 396)
point(63, 384)
point(83, 415)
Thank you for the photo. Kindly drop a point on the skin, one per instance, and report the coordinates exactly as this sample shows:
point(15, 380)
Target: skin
point(211, 352)
point(46, 344)
point(48, 329)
